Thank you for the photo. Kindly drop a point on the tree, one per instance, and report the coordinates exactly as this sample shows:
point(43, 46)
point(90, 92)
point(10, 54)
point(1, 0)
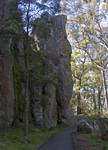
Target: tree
point(89, 34)
point(78, 71)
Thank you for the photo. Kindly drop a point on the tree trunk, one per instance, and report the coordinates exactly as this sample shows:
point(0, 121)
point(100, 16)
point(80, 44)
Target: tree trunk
point(105, 88)
point(79, 98)
point(27, 80)
point(99, 99)
point(94, 100)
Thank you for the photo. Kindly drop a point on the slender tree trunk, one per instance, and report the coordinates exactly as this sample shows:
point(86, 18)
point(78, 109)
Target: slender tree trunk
point(99, 99)
point(105, 87)
point(94, 100)
point(26, 56)
point(26, 112)
point(79, 99)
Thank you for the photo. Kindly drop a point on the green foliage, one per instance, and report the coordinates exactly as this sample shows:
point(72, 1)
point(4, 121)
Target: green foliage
point(86, 77)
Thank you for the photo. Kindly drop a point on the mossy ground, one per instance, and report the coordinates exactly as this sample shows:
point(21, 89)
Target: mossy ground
point(13, 139)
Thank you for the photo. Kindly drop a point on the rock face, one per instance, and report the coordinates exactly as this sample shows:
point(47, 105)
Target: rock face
point(6, 83)
point(51, 40)
point(6, 75)
point(4, 11)
point(50, 76)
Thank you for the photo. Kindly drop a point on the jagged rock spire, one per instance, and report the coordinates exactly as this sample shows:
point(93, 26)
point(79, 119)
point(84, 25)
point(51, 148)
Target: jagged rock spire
point(57, 50)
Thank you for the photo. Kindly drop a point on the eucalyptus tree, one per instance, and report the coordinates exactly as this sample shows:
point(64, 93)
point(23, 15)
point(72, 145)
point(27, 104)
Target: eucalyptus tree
point(87, 82)
point(89, 34)
point(78, 61)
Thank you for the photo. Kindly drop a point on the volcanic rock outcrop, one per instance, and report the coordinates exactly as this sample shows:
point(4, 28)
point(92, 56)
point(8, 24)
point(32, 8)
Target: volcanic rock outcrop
point(7, 100)
point(49, 71)
point(50, 39)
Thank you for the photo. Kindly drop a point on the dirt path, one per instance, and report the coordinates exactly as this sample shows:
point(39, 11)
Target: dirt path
point(65, 140)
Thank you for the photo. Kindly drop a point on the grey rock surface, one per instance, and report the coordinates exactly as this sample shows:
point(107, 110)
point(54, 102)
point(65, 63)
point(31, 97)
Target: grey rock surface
point(4, 11)
point(7, 101)
point(56, 49)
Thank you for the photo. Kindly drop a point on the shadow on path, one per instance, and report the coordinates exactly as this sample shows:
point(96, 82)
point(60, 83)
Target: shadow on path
point(65, 140)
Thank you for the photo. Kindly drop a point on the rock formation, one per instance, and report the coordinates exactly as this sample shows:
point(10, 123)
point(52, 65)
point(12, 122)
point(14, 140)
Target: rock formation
point(50, 72)
point(4, 9)
point(6, 83)
point(7, 100)
point(51, 40)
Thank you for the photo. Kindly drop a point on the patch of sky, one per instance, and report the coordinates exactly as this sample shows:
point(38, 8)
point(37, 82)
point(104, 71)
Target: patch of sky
point(37, 8)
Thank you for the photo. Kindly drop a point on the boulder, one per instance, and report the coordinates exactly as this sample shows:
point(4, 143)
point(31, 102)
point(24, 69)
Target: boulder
point(98, 125)
point(84, 127)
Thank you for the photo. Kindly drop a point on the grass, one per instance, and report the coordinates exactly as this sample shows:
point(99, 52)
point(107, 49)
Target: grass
point(13, 139)
point(95, 142)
